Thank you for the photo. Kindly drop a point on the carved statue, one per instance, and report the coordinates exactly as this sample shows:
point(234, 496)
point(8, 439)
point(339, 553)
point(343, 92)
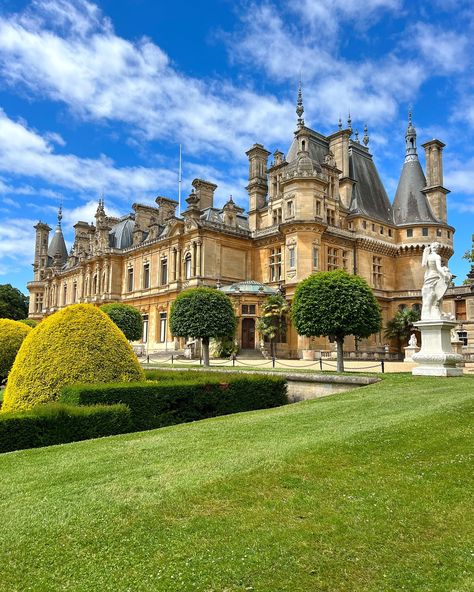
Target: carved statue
point(436, 282)
point(412, 342)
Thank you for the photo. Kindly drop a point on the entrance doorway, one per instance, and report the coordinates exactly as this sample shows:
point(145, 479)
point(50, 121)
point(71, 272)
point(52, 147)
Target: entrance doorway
point(248, 334)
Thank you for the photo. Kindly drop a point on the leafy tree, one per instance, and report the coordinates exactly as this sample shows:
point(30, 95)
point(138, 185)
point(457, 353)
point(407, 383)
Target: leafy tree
point(13, 304)
point(337, 304)
point(127, 318)
point(401, 326)
point(202, 313)
point(273, 321)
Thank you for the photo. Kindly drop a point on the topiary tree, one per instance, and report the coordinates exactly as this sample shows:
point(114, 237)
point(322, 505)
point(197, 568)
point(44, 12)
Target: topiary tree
point(400, 327)
point(275, 311)
point(77, 344)
point(12, 334)
point(127, 318)
point(202, 313)
point(13, 303)
point(338, 304)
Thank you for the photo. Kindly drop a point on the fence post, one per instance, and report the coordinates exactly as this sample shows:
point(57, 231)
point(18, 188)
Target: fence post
point(172, 359)
point(200, 360)
point(383, 366)
point(233, 359)
point(148, 359)
point(273, 361)
point(321, 363)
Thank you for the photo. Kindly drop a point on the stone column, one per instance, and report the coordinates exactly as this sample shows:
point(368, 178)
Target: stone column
point(198, 258)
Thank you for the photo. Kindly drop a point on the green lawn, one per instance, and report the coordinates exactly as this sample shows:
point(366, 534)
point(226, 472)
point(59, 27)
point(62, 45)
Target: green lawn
point(366, 491)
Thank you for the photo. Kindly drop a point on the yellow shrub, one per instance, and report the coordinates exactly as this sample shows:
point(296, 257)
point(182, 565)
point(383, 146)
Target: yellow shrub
point(12, 334)
point(77, 344)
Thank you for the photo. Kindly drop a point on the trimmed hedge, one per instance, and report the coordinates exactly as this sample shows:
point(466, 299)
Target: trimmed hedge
point(56, 423)
point(162, 403)
point(12, 334)
point(76, 344)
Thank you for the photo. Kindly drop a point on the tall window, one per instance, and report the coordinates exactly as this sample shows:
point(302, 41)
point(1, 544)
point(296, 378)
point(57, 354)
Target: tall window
point(65, 295)
point(163, 318)
point(164, 272)
point(145, 328)
point(74, 292)
point(146, 275)
point(331, 217)
point(409, 232)
point(377, 271)
point(315, 258)
point(130, 279)
point(275, 264)
point(291, 257)
point(38, 302)
point(94, 284)
point(318, 208)
point(333, 258)
point(187, 266)
point(424, 231)
point(289, 209)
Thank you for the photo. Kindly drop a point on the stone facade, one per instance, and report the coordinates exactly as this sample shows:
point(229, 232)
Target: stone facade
point(320, 207)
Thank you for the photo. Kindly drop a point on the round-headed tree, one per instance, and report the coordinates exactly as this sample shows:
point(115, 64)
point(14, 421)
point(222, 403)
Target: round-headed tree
point(275, 310)
point(12, 334)
point(337, 304)
point(13, 303)
point(77, 344)
point(127, 318)
point(202, 313)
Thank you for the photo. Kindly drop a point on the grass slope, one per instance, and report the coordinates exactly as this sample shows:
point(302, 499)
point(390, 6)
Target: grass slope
point(364, 491)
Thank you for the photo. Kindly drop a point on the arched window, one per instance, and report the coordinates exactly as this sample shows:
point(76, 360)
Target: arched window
point(187, 266)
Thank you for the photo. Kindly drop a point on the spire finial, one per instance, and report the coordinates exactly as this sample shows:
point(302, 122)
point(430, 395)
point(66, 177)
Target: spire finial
point(349, 121)
point(339, 123)
point(357, 136)
point(410, 140)
point(60, 214)
point(366, 136)
point(299, 106)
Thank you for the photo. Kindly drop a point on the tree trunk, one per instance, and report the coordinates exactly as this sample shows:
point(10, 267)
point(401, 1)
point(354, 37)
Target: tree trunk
point(205, 351)
point(340, 354)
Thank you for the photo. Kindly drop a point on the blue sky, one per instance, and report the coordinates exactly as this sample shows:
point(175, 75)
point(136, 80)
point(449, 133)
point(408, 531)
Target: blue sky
point(95, 99)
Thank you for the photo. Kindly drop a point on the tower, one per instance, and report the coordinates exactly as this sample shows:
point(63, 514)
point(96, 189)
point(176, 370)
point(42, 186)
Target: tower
point(257, 186)
point(57, 248)
point(434, 191)
point(41, 250)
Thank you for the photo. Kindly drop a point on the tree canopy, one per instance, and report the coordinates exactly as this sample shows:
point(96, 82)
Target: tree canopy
point(127, 318)
point(335, 303)
point(13, 303)
point(202, 313)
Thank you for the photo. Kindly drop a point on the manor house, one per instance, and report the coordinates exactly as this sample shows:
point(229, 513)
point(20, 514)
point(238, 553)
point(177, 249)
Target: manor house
point(320, 206)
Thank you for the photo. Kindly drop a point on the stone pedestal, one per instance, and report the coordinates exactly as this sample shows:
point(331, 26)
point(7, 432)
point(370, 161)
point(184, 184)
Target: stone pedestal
point(436, 356)
point(409, 352)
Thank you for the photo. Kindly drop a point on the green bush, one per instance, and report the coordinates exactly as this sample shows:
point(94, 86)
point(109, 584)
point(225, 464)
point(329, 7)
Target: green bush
point(56, 423)
point(12, 334)
point(77, 344)
point(127, 318)
point(168, 402)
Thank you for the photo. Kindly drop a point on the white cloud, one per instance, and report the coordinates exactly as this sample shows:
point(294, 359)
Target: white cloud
point(445, 51)
point(67, 51)
point(25, 152)
point(16, 244)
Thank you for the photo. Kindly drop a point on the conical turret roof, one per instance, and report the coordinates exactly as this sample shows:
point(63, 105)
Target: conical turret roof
point(57, 246)
point(410, 205)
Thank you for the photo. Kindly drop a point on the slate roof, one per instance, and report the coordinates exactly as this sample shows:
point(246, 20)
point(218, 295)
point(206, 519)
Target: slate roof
point(368, 195)
point(58, 245)
point(121, 234)
point(410, 205)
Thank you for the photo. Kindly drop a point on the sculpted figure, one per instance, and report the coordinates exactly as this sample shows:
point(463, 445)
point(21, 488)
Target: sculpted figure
point(412, 342)
point(436, 282)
